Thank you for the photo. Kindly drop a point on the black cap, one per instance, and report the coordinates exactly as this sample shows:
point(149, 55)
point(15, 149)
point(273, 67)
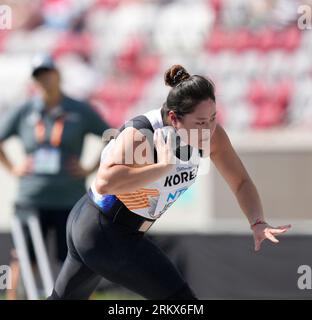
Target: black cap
point(42, 62)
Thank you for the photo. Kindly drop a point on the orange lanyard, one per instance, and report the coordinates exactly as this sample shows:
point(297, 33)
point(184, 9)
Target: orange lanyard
point(56, 133)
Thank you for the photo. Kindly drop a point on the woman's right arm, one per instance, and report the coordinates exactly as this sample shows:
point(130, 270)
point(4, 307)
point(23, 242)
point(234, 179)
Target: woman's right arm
point(117, 177)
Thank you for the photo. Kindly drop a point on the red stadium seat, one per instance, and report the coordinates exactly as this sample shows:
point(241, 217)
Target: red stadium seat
point(288, 39)
point(217, 41)
point(240, 40)
point(270, 103)
point(4, 34)
point(257, 93)
point(148, 66)
point(71, 42)
point(107, 4)
point(267, 40)
point(292, 39)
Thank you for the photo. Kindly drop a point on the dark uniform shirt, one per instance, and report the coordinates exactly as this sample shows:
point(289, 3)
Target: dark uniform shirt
point(59, 190)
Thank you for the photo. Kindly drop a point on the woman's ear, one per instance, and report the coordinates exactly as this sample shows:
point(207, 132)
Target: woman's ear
point(173, 118)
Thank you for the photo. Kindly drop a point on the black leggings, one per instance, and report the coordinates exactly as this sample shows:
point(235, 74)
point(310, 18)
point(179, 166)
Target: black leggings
point(98, 248)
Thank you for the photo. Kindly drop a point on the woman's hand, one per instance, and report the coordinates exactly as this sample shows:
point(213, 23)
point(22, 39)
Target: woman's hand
point(262, 231)
point(164, 148)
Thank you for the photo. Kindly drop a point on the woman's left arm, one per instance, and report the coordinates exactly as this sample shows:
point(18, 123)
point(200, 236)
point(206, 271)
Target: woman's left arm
point(233, 171)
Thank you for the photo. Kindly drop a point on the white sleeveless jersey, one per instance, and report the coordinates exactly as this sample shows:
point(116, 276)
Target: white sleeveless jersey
point(155, 198)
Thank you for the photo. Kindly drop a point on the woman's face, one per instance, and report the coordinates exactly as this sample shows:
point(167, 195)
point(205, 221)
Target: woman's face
point(196, 128)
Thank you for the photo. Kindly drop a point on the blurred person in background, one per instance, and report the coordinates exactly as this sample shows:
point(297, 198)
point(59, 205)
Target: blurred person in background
point(52, 128)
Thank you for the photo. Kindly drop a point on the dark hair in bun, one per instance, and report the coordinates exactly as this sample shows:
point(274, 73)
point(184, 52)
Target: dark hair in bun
point(187, 91)
point(175, 75)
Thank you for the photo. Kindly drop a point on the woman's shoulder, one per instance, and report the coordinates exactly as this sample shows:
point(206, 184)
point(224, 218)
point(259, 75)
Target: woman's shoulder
point(142, 121)
point(137, 122)
point(219, 139)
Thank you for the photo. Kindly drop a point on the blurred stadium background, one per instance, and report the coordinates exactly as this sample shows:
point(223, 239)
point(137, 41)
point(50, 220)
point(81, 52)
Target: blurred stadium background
point(113, 53)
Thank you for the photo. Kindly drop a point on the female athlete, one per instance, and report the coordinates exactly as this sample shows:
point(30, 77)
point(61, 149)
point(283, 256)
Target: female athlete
point(138, 173)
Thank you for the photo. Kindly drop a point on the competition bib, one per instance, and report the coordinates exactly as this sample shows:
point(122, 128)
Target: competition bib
point(171, 188)
point(47, 160)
